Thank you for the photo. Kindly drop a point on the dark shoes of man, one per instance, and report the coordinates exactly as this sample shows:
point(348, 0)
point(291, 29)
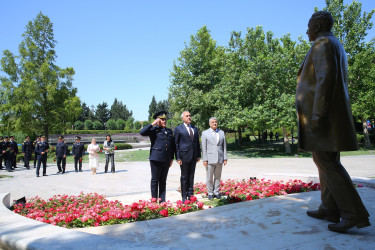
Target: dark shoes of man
point(210, 197)
point(218, 196)
point(345, 224)
point(322, 215)
point(45, 175)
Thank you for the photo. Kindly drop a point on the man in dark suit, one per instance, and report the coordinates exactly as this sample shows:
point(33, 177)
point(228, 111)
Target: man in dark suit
point(13, 152)
point(188, 153)
point(6, 154)
point(34, 146)
point(78, 152)
point(161, 153)
point(41, 150)
point(61, 153)
point(2, 156)
point(325, 124)
point(27, 150)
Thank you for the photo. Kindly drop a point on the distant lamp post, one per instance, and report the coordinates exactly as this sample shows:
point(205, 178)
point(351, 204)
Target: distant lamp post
point(105, 127)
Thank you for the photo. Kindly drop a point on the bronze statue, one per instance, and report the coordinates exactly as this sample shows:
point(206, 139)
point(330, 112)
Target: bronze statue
point(326, 124)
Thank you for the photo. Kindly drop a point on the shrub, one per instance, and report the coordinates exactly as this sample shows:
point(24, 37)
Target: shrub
point(97, 125)
point(111, 124)
point(120, 124)
point(78, 125)
point(88, 125)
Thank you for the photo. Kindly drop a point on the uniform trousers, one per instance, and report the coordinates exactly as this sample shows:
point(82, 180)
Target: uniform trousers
point(35, 159)
point(13, 160)
point(42, 159)
point(159, 173)
point(187, 179)
point(26, 159)
point(59, 160)
point(8, 163)
point(338, 194)
point(1, 160)
point(109, 158)
point(213, 177)
point(77, 161)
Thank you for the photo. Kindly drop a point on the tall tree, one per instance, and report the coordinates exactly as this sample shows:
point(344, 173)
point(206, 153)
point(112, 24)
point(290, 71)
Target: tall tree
point(102, 112)
point(152, 108)
point(37, 95)
point(351, 25)
point(198, 71)
point(119, 111)
point(85, 114)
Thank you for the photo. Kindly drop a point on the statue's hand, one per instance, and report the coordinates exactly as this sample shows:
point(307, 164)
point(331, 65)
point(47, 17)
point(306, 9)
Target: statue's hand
point(315, 124)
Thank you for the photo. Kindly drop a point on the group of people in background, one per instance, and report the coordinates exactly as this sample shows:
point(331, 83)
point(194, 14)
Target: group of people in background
point(40, 148)
point(183, 144)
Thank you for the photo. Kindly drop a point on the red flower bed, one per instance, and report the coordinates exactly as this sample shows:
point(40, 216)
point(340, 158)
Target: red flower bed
point(94, 210)
point(245, 190)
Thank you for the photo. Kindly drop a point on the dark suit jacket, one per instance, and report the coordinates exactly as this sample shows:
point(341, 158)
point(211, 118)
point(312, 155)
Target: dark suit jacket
point(162, 143)
point(41, 147)
point(322, 90)
point(78, 150)
point(186, 149)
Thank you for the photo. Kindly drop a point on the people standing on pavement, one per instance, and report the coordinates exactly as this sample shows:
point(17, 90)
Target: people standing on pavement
point(214, 155)
point(188, 153)
point(109, 148)
point(6, 154)
point(60, 154)
point(161, 153)
point(93, 149)
point(78, 152)
point(41, 149)
point(13, 152)
point(34, 146)
point(27, 151)
point(2, 156)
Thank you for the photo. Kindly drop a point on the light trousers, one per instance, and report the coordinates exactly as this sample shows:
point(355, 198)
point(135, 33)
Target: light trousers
point(213, 177)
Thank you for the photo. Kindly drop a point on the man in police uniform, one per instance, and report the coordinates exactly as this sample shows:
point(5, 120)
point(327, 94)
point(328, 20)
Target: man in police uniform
point(61, 152)
point(13, 152)
point(6, 154)
point(41, 150)
point(78, 152)
point(34, 146)
point(2, 156)
point(161, 153)
point(27, 150)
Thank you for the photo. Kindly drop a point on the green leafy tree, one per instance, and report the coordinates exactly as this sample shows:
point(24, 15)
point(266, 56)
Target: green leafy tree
point(97, 125)
point(120, 124)
point(351, 25)
point(78, 125)
point(152, 108)
point(36, 95)
point(137, 125)
point(85, 114)
point(119, 111)
point(88, 125)
point(102, 112)
point(129, 124)
point(198, 71)
point(111, 124)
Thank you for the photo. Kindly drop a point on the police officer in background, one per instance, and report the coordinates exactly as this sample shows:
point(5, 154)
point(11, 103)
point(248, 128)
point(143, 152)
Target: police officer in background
point(2, 156)
point(34, 146)
point(161, 153)
point(78, 152)
point(6, 154)
point(13, 152)
point(27, 150)
point(41, 150)
point(61, 153)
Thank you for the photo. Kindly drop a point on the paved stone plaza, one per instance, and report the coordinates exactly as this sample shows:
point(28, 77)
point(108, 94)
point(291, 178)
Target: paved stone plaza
point(272, 223)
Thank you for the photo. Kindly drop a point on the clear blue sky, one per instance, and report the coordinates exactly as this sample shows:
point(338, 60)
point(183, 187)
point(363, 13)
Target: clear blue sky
point(126, 49)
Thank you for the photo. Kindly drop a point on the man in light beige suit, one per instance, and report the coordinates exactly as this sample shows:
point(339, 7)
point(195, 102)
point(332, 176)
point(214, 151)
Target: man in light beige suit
point(214, 149)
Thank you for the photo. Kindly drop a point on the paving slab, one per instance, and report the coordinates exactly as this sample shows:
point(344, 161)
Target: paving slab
point(272, 223)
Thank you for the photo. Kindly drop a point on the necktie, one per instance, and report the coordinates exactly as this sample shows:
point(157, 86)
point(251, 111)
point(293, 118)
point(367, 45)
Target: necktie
point(191, 133)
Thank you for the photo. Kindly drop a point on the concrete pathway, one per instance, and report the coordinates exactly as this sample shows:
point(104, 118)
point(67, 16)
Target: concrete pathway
point(272, 223)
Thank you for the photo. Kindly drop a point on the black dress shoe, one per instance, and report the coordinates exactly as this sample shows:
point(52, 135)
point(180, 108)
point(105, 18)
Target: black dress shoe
point(345, 224)
point(218, 196)
point(37, 176)
point(45, 175)
point(210, 197)
point(76, 171)
point(322, 215)
point(183, 200)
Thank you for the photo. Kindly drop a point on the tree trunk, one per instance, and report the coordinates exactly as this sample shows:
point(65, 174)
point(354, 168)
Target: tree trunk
point(239, 136)
point(365, 134)
point(258, 136)
point(286, 142)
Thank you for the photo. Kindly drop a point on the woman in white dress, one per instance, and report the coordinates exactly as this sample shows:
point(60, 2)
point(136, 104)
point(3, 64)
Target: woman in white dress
point(93, 149)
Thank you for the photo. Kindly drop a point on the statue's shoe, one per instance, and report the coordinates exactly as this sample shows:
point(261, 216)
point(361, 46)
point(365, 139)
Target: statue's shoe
point(345, 224)
point(322, 215)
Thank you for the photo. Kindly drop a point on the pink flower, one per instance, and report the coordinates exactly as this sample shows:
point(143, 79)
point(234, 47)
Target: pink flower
point(164, 212)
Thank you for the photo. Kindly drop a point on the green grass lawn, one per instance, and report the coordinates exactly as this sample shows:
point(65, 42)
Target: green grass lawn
point(5, 176)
